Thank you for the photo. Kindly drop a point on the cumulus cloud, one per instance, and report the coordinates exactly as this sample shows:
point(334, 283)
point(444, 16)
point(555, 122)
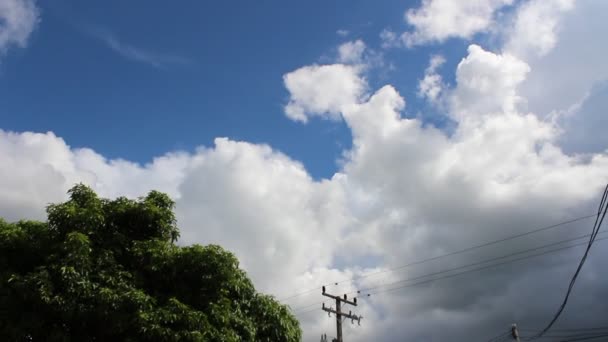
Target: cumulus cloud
point(534, 29)
point(351, 52)
point(249, 195)
point(431, 85)
point(568, 72)
point(438, 20)
point(405, 191)
point(18, 19)
point(429, 190)
point(48, 167)
point(255, 201)
point(577, 29)
point(357, 54)
point(389, 39)
point(322, 90)
point(487, 83)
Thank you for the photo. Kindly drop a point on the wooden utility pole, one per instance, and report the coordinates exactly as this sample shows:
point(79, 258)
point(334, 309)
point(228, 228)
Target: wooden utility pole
point(514, 332)
point(339, 314)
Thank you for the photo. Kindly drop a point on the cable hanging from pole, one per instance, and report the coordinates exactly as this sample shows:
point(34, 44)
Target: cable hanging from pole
point(299, 309)
point(601, 214)
point(393, 269)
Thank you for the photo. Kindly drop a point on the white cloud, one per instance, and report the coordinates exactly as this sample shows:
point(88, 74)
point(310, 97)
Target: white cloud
point(487, 83)
point(322, 90)
point(431, 85)
point(155, 59)
point(405, 191)
point(501, 170)
point(249, 195)
point(389, 39)
point(342, 32)
point(534, 30)
point(255, 201)
point(568, 71)
point(246, 195)
point(435, 62)
point(357, 54)
point(351, 52)
point(438, 20)
point(18, 19)
point(48, 167)
point(583, 127)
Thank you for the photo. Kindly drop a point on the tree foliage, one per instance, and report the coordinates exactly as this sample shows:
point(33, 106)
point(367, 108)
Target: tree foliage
point(110, 270)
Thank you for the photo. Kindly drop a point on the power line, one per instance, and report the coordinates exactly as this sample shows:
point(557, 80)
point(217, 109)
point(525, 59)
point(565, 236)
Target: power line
point(563, 338)
point(487, 267)
point(572, 334)
point(469, 265)
point(576, 334)
point(465, 266)
point(468, 249)
point(585, 338)
point(568, 330)
point(500, 337)
point(310, 310)
point(300, 310)
point(601, 214)
point(481, 262)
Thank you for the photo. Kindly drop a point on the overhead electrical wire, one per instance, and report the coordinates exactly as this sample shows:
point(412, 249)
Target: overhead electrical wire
point(485, 267)
point(568, 336)
point(576, 334)
point(500, 337)
point(558, 334)
point(474, 264)
point(480, 262)
point(601, 214)
point(563, 330)
point(572, 334)
point(393, 269)
point(585, 338)
point(298, 310)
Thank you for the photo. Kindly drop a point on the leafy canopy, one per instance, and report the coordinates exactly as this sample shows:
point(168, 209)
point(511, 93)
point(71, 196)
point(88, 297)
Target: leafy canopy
point(110, 270)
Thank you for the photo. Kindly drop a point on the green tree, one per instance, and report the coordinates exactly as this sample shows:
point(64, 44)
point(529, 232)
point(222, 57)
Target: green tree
point(110, 270)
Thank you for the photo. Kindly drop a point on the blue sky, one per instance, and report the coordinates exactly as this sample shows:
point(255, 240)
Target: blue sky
point(360, 136)
point(210, 70)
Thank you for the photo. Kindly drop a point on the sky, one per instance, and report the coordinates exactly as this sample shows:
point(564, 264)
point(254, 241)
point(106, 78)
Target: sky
point(323, 141)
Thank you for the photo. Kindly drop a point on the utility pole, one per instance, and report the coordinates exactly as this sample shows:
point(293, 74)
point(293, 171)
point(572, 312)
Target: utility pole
point(339, 314)
point(514, 332)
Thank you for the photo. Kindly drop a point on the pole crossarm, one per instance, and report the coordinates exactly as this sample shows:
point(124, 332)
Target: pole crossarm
point(348, 315)
point(339, 313)
point(342, 299)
